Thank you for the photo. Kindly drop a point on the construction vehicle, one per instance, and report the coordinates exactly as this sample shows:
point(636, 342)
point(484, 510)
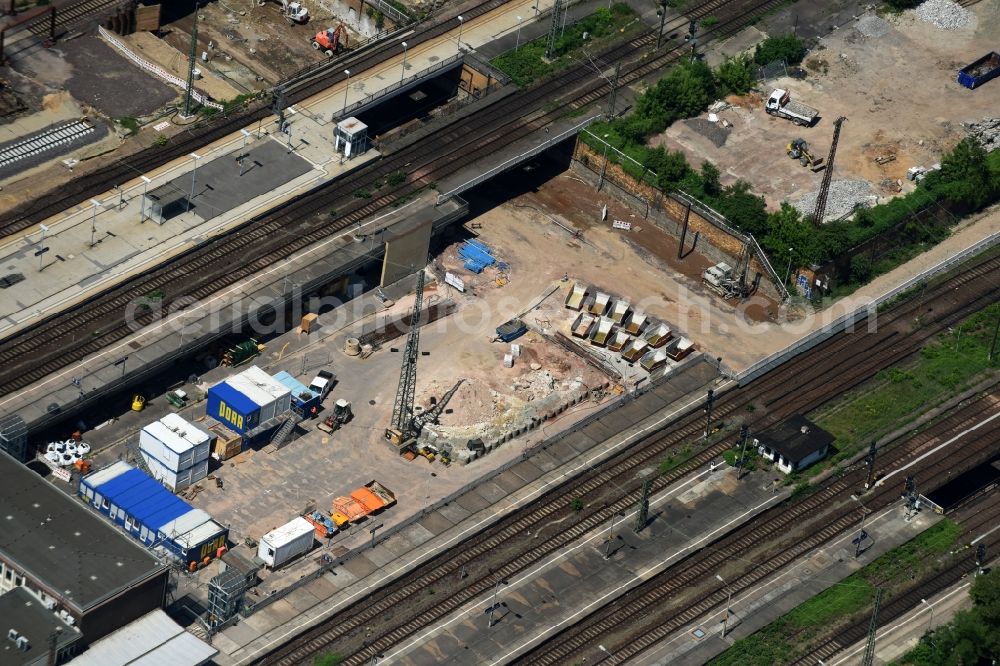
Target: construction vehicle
point(399, 433)
point(341, 415)
point(780, 104)
point(799, 150)
point(331, 40)
point(294, 12)
point(431, 415)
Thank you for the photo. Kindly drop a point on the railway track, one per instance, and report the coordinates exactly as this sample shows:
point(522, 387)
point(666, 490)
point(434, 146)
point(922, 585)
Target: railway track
point(72, 16)
point(43, 142)
point(72, 335)
point(300, 86)
point(838, 364)
point(987, 517)
point(822, 516)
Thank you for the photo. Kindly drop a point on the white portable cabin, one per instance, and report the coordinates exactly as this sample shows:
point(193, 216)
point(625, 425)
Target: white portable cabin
point(282, 544)
point(273, 397)
point(173, 443)
point(176, 480)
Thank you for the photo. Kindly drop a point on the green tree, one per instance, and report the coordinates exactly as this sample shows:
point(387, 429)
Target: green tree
point(671, 169)
point(965, 177)
point(736, 75)
point(789, 48)
point(710, 183)
point(744, 210)
point(985, 595)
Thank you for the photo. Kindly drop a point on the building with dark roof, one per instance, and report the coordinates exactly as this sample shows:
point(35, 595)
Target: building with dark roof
point(71, 558)
point(794, 444)
point(30, 633)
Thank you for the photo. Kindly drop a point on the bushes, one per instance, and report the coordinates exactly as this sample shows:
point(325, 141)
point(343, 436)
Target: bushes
point(789, 48)
point(736, 75)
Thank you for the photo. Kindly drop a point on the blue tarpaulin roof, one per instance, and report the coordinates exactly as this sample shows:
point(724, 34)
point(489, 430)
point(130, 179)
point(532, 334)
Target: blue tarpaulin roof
point(234, 398)
point(294, 385)
point(166, 515)
point(121, 482)
point(152, 508)
point(131, 497)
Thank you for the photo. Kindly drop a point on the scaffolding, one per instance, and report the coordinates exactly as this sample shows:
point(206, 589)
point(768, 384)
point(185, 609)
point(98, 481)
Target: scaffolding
point(14, 437)
point(226, 594)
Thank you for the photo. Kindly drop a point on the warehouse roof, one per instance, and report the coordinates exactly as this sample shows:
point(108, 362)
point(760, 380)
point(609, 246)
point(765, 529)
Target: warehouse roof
point(24, 613)
point(69, 549)
point(796, 437)
point(152, 640)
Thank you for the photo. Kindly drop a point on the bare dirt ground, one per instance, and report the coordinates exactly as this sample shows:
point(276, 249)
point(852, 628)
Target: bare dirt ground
point(898, 92)
point(254, 36)
point(640, 265)
point(149, 46)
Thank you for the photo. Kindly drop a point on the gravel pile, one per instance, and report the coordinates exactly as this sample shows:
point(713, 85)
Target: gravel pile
point(844, 196)
point(944, 14)
point(986, 131)
point(872, 26)
point(714, 132)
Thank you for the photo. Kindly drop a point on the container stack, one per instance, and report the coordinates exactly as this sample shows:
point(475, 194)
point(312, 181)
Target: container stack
point(227, 442)
point(175, 451)
point(248, 400)
point(149, 513)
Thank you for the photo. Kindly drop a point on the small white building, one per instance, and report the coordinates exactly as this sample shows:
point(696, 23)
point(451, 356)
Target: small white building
point(175, 451)
point(794, 444)
point(350, 137)
point(286, 542)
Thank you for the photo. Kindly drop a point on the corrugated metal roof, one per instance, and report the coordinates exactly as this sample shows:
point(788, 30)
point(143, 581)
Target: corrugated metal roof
point(288, 532)
point(259, 386)
point(192, 432)
point(174, 441)
point(235, 399)
point(166, 515)
point(168, 506)
point(152, 640)
point(184, 523)
point(200, 534)
point(112, 471)
point(120, 482)
point(133, 497)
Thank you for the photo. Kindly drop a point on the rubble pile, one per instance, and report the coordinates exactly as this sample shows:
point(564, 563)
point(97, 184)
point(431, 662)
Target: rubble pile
point(986, 131)
point(944, 14)
point(844, 196)
point(872, 26)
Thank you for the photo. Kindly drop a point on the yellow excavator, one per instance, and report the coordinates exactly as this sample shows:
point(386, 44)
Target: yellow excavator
point(799, 150)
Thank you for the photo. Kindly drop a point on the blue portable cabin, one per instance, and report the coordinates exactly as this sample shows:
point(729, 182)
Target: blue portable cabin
point(141, 506)
point(233, 408)
point(300, 403)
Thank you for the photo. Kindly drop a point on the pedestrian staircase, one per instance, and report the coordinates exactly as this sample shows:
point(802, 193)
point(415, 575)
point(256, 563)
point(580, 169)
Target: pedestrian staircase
point(283, 432)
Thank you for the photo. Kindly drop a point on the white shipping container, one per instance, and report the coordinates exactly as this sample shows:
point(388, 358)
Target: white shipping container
point(174, 443)
point(262, 389)
point(282, 544)
point(174, 480)
point(200, 438)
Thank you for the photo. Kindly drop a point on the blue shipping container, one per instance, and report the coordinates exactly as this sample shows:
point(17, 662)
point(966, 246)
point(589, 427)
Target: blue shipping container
point(985, 69)
point(233, 408)
point(298, 389)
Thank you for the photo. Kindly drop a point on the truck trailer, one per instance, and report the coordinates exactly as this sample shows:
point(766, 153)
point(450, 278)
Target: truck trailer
point(986, 68)
point(286, 542)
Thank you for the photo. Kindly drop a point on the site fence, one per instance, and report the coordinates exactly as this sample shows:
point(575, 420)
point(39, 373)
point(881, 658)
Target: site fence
point(863, 312)
point(156, 70)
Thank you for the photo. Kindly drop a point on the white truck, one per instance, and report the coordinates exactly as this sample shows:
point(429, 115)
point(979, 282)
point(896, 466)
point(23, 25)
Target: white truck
point(781, 104)
point(322, 383)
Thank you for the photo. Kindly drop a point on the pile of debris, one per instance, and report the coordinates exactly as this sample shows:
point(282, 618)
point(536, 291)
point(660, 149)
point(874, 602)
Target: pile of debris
point(945, 14)
point(872, 26)
point(986, 131)
point(844, 197)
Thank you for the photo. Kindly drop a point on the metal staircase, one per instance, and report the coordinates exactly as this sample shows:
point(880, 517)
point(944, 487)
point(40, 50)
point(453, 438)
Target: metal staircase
point(282, 433)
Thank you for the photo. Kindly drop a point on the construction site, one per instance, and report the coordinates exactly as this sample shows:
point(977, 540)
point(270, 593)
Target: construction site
point(345, 328)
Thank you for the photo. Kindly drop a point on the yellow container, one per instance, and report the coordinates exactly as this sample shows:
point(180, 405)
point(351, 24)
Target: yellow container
point(138, 403)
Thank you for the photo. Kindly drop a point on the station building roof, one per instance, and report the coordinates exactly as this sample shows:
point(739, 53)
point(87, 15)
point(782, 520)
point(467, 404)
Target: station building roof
point(71, 551)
